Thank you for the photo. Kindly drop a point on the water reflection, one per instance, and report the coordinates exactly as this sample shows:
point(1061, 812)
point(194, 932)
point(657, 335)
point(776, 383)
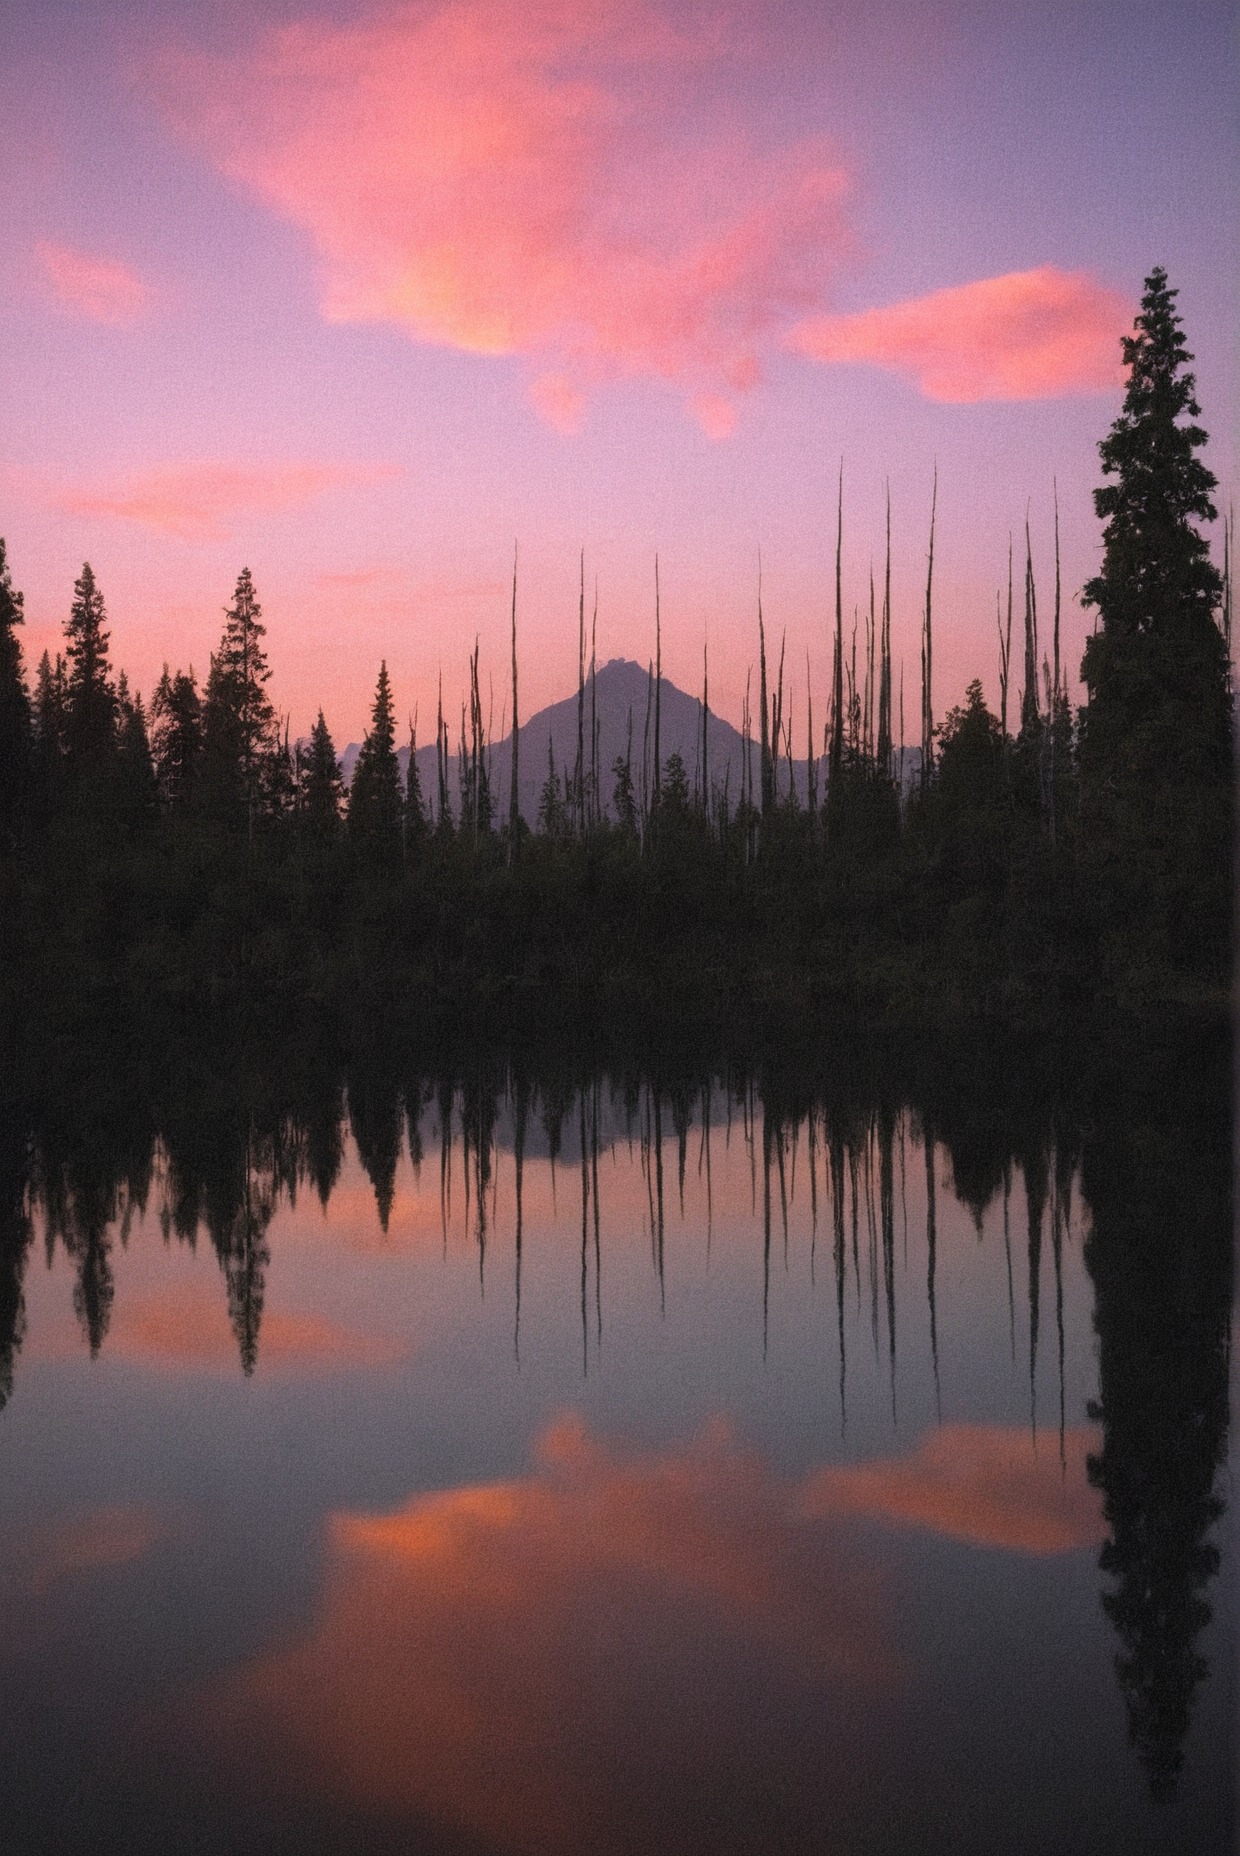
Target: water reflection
point(444, 1671)
point(584, 1657)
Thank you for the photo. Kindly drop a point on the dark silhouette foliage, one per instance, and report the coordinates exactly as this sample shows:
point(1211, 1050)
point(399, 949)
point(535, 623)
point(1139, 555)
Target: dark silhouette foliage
point(375, 799)
point(176, 738)
point(241, 743)
point(1156, 743)
point(90, 708)
point(15, 721)
point(321, 785)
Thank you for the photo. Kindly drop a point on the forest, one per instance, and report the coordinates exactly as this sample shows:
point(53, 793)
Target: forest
point(182, 860)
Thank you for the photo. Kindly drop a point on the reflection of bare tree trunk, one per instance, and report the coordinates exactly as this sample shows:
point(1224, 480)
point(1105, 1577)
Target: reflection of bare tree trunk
point(766, 1227)
point(658, 1176)
point(931, 1248)
point(520, 1109)
point(1035, 1201)
point(598, 1248)
point(841, 1265)
point(1007, 1248)
point(585, 1226)
point(887, 1217)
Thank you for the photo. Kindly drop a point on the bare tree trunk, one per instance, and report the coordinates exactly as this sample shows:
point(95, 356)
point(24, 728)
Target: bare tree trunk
point(514, 796)
point(837, 680)
point(927, 651)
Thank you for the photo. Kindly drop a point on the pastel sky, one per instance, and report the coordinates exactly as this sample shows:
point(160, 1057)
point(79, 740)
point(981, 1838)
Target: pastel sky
point(359, 294)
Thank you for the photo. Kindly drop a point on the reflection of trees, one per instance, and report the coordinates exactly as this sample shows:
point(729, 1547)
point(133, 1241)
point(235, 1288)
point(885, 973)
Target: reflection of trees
point(1160, 1259)
point(377, 1123)
point(15, 1235)
point(94, 1170)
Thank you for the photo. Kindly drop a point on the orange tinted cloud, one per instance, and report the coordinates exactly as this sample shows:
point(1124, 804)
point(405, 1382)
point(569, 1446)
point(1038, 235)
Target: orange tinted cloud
point(518, 179)
point(1023, 336)
point(86, 1542)
point(187, 1329)
point(987, 1484)
point(205, 501)
point(524, 1660)
point(96, 288)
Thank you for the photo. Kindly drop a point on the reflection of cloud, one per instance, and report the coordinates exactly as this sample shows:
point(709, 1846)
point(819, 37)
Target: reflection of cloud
point(205, 501)
point(187, 1329)
point(506, 178)
point(987, 1484)
point(1027, 335)
point(85, 1542)
point(555, 1662)
point(95, 288)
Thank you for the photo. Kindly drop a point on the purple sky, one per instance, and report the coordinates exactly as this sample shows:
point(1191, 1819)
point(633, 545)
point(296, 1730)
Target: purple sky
point(358, 295)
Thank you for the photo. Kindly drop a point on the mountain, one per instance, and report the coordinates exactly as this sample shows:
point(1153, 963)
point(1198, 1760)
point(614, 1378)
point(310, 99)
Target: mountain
point(622, 694)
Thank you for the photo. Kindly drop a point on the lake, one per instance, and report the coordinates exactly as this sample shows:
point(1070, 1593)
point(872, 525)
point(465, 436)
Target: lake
point(477, 1458)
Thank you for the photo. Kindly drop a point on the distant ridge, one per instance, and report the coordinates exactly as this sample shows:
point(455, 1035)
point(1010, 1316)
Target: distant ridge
point(621, 690)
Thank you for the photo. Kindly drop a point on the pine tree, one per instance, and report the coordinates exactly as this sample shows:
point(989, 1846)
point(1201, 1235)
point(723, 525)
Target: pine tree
point(321, 786)
point(375, 800)
point(176, 737)
point(1156, 735)
point(47, 757)
point(90, 707)
point(15, 731)
point(137, 792)
point(1157, 575)
point(241, 742)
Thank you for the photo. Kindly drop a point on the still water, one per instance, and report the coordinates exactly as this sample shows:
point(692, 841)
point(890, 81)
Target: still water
point(475, 1464)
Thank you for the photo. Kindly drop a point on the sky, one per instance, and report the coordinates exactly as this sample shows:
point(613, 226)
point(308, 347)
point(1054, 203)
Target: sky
point(366, 296)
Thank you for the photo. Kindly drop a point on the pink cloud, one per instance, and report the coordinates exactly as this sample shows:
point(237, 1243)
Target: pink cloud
point(86, 1541)
point(507, 179)
point(558, 401)
point(985, 1483)
point(1026, 335)
point(205, 501)
point(96, 288)
point(188, 1330)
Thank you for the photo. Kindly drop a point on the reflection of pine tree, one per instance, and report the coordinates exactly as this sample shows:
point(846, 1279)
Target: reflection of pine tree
point(375, 1118)
point(15, 1234)
point(1160, 1259)
point(242, 1184)
point(245, 1273)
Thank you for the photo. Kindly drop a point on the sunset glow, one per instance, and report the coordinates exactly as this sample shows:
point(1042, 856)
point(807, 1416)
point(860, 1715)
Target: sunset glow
point(360, 295)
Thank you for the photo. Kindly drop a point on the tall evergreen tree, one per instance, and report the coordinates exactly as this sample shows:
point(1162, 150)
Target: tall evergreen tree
point(48, 746)
point(375, 800)
point(1156, 735)
point(14, 709)
point(241, 741)
point(137, 793)
point(176, 737)
point(321, 787)
point(90, 707)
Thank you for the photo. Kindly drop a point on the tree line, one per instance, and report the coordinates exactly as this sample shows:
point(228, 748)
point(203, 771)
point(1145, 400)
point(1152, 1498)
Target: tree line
point(1070, 848)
